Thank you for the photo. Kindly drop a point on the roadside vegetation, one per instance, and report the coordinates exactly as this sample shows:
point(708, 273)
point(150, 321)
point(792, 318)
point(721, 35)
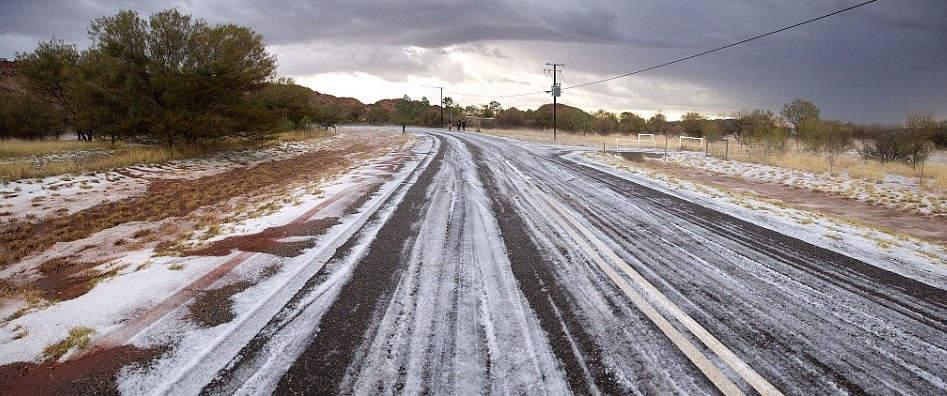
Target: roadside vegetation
point(142, 93)
point(796, 138)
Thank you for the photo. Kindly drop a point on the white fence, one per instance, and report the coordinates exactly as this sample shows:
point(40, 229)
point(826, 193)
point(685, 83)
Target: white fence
point(649, 139)
point(642, 138)
point(681, 139)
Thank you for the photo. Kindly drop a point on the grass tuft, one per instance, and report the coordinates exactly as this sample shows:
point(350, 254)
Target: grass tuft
point(78, 338)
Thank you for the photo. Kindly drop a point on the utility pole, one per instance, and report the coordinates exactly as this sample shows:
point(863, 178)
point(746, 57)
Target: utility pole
point(556, 91)
point(441, 103)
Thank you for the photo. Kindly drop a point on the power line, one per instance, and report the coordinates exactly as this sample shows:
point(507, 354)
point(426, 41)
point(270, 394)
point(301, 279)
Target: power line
point(724, 47)
point(655, 26)
point(808, 21)
point(495, 96)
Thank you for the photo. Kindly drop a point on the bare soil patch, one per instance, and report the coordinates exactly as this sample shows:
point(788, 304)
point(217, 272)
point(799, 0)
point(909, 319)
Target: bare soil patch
point(90, 374)
point(272, 240)
point(930, 229)
point(214, 307)
point(176, 198)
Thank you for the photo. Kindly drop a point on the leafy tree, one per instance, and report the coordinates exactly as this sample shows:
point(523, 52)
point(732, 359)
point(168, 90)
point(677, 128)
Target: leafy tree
point(691, 123)
point(377, 115)
point(880, 143)
point(658, 124)
point(631, 123)
point(940, 135)
point(289, 101)
point(580, 121)
point(472, 110)
point(327, 115)
point(915, 140)
point(761, 129)
point(798, 111)
point(830, 138)
point(48, 70)
point(494, 107)
point(512, 117)
point(747, 123)
point(605, 122)
point(189, 80)
point(29, 117)
point(711, 130)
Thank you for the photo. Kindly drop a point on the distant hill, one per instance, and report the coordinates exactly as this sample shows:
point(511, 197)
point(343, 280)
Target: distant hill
point(323, 98)
point(11, 82)
point(560, 109)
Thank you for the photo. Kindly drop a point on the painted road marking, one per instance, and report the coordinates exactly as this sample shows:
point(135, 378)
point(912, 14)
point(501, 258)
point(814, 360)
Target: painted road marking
point(696, 356)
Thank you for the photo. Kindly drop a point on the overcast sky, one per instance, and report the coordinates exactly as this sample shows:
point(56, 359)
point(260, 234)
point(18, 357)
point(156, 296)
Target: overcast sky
point(873, 64)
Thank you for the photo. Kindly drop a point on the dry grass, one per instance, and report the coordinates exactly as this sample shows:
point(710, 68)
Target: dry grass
point(21, 165)
point(127, 156)
point(24, 148)
point(78, 338)
point(304, 135)
point(178, 199)
point(935, 174)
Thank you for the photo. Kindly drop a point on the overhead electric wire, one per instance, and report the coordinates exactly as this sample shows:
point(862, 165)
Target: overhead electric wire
point(808, 21)
point(690, 14)
point(656, 22)
point(723, 47)
point(495, 96)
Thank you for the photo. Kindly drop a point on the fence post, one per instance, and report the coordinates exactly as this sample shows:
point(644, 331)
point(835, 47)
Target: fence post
point(726, 149)
point(706, 147)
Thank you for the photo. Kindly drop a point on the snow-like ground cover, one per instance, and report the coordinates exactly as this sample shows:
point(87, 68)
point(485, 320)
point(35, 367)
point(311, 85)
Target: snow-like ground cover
point(32, 199)
point(894, 191)
point(143, 286)
point(203, 350)
point(901, 254)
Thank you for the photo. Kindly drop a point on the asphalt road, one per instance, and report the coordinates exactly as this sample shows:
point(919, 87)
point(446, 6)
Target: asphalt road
point(504, 268)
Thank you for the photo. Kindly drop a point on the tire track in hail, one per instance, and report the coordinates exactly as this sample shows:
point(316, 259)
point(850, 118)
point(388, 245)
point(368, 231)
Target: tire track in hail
point(923, 302)
point(580, 357)
point(348, 322)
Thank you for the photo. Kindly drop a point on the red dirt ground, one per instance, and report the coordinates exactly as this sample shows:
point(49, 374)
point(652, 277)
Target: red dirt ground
point(90, 374)
point(933, 230)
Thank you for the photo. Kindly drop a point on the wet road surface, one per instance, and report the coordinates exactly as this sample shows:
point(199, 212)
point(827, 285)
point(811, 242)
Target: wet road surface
point(505, 268)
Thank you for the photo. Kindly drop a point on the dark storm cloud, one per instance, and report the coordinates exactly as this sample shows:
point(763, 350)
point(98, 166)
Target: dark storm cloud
point(873, 64)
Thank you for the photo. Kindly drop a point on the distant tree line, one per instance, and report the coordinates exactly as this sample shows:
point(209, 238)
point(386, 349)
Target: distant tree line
point(169, 79)
point(173, 79)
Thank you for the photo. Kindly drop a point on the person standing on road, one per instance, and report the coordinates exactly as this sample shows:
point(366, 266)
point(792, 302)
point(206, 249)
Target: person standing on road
point(458, 125)
point(464, 124)
point(403, 125)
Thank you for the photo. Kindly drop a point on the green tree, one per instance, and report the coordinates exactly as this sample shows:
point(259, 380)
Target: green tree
point(605, 122)
point(48, 71)
point(631, 123)
point(761, 129)
point(494, 107)
point(711, 130)
point(798, 111)
point(658, 124)
point(580, 122)
point(182, 78)
point(29, 117)
point(512, 117)
point(915, 140)
point(377, 114)
point(289, 101)
point(691, 123)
